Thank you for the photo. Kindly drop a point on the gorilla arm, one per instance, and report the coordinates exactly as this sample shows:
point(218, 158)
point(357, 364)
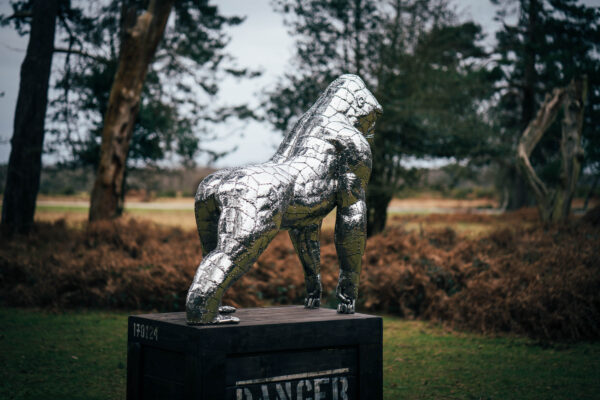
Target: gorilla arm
point(350, 240)
point(306, 242)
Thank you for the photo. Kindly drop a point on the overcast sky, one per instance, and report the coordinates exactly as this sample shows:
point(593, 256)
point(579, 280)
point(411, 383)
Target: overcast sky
point(261, 42)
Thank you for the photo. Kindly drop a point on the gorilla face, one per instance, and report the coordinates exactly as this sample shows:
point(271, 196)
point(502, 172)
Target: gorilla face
point(364, 108)
point(368, 112)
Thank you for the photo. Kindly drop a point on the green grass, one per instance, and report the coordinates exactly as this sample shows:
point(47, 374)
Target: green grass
point(422, 361)
point(73, 355)
point(144, 211)
point(70, 208)
point(85, 208)
point(82, 355)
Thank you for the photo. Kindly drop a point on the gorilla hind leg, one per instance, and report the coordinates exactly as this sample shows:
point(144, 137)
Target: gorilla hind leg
point(236, 250)
point(207, 223)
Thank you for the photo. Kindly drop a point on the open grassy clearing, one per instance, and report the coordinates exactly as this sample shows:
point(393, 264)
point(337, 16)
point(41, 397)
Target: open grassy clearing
point(77, 216)
point(467, 229)
point(82, 355)
point(172, 212)
point(411, 214)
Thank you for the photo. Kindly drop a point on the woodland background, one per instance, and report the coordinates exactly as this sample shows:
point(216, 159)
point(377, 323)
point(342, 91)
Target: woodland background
point(483, 205)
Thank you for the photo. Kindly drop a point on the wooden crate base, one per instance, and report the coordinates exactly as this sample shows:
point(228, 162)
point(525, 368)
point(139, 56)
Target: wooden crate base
point(287, 353)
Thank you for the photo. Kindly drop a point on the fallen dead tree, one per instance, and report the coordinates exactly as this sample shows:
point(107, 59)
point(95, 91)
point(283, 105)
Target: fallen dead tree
point(554, 202)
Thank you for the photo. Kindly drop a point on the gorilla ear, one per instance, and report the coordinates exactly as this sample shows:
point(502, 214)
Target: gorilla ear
point(360, 101)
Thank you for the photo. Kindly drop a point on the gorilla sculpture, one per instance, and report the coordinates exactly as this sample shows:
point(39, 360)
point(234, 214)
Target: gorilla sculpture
point(323, 162)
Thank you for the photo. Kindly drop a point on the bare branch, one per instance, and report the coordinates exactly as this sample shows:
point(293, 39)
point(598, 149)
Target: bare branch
point(21, 14)
point(81, 53)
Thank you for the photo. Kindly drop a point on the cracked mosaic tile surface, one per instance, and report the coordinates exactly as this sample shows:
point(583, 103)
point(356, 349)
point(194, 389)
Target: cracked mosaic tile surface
point(323, 162)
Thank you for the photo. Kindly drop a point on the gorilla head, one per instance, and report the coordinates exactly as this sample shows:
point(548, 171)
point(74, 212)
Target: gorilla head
point(351, 97)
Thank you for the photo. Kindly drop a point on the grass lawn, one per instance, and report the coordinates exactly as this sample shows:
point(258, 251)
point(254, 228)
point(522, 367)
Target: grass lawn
point(74, 355)
point(82, 355)
point(422, 361)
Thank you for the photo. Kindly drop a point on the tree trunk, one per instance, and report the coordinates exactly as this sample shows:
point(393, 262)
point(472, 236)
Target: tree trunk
point(518, 193)
point(357, 35)
point(377, 204)
point(529, 73)
point(25, 162)
point(554, 204)
point(591, 192)
point(140, 40)
point(571, 150)
point(517, 189)
point(381, 187)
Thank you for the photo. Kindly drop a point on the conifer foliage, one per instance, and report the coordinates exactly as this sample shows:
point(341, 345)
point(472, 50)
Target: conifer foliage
point(424, 66)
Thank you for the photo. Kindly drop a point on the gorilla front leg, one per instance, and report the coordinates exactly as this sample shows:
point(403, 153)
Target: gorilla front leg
point(207, 222)
point(350, 239)
point(214, 275)
point(308, 248)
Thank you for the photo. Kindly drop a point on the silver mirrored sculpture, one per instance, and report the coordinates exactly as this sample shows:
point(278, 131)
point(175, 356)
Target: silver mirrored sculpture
point(324, 162)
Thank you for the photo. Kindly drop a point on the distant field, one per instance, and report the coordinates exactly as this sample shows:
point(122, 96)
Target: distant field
point(77, 215)
point(168, 212)
point(178, 212)
point(82, 355)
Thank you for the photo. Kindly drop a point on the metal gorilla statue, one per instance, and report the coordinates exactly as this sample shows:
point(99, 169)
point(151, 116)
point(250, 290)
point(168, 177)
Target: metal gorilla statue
point(323, 162)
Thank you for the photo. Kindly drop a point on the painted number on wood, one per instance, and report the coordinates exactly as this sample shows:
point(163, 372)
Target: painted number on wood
point(144, 331)
point(306, 386)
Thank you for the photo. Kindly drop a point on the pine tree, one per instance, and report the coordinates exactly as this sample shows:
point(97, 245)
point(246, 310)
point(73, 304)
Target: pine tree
point(424, 67)
point(551, 43)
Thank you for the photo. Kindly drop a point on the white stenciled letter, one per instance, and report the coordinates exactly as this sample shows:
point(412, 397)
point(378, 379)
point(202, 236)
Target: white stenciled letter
point(344, 391)
point(318, 382)
point(300, 392)
point(334, 389)
point(243, 394)
point(265, 392)
point(281, 395)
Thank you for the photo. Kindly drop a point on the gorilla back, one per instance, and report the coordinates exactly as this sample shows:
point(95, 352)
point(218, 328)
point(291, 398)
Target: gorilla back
point(324, 162)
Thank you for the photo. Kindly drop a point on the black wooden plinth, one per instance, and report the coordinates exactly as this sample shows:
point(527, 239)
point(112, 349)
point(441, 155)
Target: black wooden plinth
point(275, 353)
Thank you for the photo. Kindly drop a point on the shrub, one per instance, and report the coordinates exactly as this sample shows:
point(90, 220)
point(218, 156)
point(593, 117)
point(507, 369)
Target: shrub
point(533, 281)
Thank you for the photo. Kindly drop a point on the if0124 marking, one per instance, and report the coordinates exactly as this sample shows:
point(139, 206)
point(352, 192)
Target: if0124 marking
point(144, 331)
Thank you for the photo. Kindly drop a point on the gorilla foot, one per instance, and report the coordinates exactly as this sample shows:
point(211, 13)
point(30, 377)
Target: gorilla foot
point(312, 302)
point(227, 310)
point(203, 310)
point(219, 319)
point(346, 307)
point(202, 307)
